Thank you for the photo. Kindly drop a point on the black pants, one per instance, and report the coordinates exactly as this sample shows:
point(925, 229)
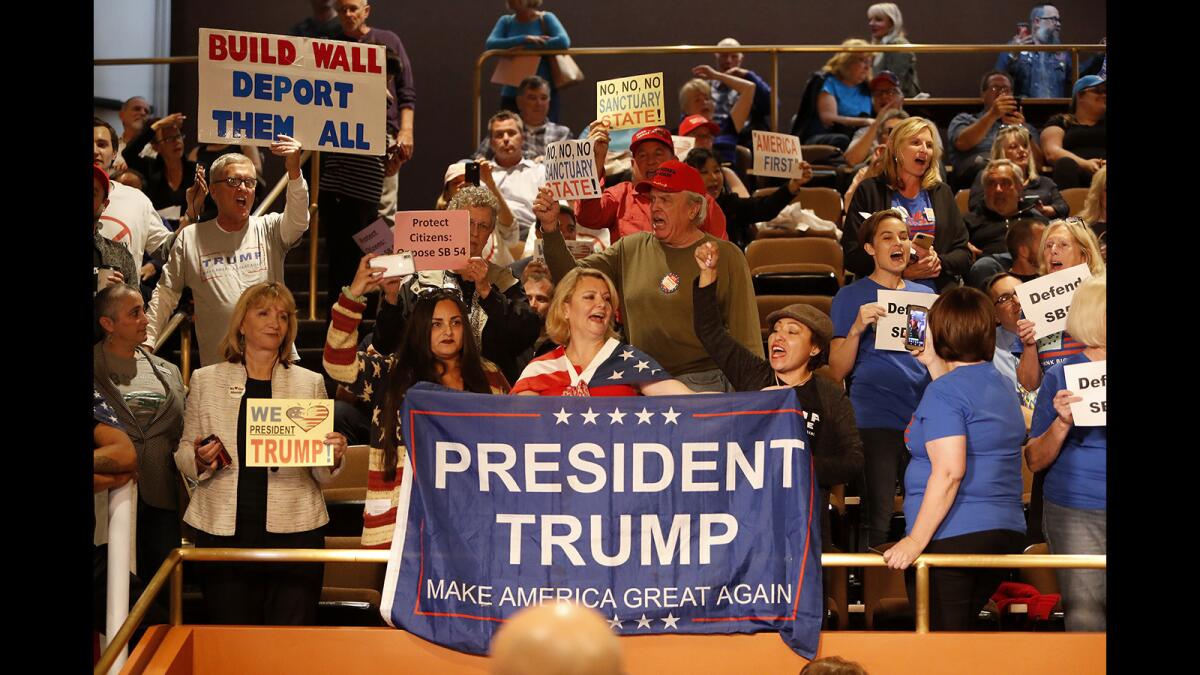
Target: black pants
point(341, 218)
point(1033, 523)
point(157, 536)
point(257, 594)
point(1067, 174)
point(886, 459)
point(957, 594)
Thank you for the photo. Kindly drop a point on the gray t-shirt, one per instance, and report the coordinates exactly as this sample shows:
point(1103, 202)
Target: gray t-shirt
point(143, 392)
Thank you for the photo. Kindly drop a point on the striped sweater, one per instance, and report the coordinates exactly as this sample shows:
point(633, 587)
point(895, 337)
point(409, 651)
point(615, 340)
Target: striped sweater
point(366, 375)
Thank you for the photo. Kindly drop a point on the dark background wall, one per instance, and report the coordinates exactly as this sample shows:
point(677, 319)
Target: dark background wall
point(444, 38)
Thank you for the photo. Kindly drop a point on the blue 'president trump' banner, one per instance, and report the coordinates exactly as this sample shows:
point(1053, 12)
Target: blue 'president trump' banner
point(688, 514)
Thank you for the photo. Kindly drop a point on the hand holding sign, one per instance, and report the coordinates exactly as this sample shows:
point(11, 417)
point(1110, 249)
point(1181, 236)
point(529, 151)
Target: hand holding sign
point(339, 444)
point(868, 314)
point(1027, 332)
point(806, 174)
point(1088, 404)
point(1062, 405)
point(545, 207)
point(598, 135)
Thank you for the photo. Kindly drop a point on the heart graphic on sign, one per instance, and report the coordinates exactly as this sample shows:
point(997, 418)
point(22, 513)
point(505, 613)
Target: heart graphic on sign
point(308, 419)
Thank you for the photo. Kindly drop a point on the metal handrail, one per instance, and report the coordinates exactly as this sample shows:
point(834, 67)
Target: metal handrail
point(173, 567)
point(773, 50)
point(176, 319)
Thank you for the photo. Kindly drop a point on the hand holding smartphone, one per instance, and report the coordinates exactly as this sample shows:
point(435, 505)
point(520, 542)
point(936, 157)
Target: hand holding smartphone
point(915, 334)
point(395, 265)
point(472, 173)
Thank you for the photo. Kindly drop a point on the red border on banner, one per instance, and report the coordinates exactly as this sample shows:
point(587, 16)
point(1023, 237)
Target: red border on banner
point(421, 535)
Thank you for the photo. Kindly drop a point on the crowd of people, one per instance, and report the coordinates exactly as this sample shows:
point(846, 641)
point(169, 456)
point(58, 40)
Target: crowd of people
point(654, 267)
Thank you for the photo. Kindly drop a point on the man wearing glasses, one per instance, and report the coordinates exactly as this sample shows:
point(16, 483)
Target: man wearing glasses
point(971, 135)
point(1039, 74)
point(221, 257)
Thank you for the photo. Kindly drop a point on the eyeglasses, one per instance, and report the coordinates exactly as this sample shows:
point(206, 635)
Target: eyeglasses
point(998, 89)
point(234, 182)
point(168, 139)
point(1006, 127)
point(1051, 19)
point(1005, 298)
point(476, 225)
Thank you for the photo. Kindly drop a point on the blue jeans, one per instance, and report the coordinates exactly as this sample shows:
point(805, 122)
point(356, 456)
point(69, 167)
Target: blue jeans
point(1084, 592)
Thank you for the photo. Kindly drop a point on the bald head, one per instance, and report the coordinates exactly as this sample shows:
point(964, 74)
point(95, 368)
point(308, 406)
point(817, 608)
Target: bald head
point(556, 639)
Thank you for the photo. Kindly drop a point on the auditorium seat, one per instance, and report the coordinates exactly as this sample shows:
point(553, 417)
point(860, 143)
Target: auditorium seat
point(885, 599)
point(825, 202)
point(1074, 197)
point(351, 592)
point(1046, 581)
point(796, 266)
point(962, 198)
point(837, 603)
point(345, 494)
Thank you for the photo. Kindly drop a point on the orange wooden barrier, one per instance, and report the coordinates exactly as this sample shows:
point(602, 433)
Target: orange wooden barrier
point(211, 650)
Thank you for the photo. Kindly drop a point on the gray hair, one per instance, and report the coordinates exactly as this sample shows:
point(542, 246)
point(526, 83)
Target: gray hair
point(474, 195)
point(697, 198)
point(995, 164)
point(217, 171)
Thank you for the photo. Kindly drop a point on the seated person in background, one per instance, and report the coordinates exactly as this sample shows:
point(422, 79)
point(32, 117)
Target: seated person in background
point(170, 174)
point(1020, 255)
point(533, 103)
point(910, 178)
point(725, 97)
point(590, 360)
point(1076, 142)
point(1014, 143)
point(621, 209)
point(696, 98)
point(705, 133)
point(742, 214)
point(874, 164)
point(971, 136)
point(1095, 208)
point(516, 177)
point(799, 344)
point(1065, 244)
point(500, 320)
point(844, 103)
point(435, 346)
point(219, 258)
point(885, 97)
point(653, 273)
point(886, 25)
point(988, 225)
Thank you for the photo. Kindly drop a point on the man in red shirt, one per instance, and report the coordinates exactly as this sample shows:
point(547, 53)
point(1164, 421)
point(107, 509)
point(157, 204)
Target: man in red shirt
point(623, 210)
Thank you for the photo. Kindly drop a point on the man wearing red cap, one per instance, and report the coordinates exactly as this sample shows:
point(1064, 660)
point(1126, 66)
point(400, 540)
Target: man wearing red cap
point(621, 209)
point(654, 271)
point(885, 96)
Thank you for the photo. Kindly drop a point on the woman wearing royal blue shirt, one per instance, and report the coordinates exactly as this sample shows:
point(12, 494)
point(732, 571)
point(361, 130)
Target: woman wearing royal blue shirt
point(1076, 499)
point(885, 386)
point(963, 484)
point(528, 28)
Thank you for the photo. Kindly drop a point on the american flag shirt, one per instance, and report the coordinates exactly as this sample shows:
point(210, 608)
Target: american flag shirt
point(615, 371)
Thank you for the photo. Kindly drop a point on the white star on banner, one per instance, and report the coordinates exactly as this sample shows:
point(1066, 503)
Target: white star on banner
point(670, 620)
point(671, 415)
point(615, 623)
point(644, 416)
point(626, 355)
point(617, 374)
point(589, 417)
point(562, 416)
point(642, 365)
point(616, 416)
point(644, 622)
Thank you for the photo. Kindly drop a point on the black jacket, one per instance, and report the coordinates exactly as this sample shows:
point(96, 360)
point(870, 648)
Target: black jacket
point(949, 240)
point(988, 229)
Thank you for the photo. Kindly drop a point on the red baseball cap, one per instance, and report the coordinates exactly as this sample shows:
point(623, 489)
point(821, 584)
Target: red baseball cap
point(660, 134)
point(99, 175)
point(693, 122)
point(674, 176)
point(886, 79)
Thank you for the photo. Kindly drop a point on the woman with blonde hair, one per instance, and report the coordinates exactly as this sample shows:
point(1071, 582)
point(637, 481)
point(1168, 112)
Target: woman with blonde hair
point(886, 24)
point(590, 360)
point(1065, 244)
point(239, 506)
point(1075, 506)
point(909, 177)
point(1013, 142)
point(844, 103)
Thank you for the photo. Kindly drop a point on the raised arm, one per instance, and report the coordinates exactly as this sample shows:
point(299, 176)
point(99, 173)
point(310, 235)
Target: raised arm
point(295, 211)
point(740, 114)
point(745, 370)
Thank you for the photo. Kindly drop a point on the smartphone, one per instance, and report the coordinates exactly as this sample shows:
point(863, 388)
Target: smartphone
point(395, 265)
point(923, 240)
point(223, 459)
point(1022, 29)
point(1018, 100)
point(473, 172)
point(915, 338)
point(1028, 202)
